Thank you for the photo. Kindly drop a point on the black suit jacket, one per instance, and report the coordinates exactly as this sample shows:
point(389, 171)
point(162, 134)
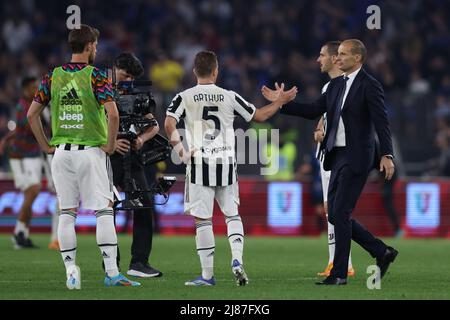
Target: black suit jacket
point(363, 113)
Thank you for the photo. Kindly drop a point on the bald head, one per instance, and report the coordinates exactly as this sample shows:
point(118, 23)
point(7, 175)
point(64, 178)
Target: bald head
point(357, 47)
point(351, 55)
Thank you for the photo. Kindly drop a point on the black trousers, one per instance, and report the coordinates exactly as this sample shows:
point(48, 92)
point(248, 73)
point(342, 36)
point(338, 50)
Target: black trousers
point(143, 218)
point(387, 194)
point(343, 193)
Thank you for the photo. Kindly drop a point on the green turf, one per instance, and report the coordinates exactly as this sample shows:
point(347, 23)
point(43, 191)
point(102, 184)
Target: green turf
point(278, 268)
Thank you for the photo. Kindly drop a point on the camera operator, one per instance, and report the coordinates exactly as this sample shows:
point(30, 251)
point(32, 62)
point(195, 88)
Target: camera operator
point(127, 67)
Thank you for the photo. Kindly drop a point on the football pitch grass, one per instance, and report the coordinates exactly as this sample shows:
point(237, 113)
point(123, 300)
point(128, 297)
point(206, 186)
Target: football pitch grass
point(278, 268)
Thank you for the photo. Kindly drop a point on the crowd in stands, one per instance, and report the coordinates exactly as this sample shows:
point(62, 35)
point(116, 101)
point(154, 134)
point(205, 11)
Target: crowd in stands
point(258, 42)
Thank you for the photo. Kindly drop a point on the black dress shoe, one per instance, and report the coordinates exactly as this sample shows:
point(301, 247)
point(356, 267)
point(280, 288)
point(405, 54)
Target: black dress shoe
point(388, 257)
point(330, 281)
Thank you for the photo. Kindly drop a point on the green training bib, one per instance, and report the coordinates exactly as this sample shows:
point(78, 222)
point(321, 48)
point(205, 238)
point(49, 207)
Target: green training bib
point(77, 117)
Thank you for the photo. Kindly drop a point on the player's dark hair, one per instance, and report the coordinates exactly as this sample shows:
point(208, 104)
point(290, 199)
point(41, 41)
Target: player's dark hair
point(205, 63)
point(332, 47)
point(79, 38)
point(26, 81)
point(358, 48)
point(130, 63)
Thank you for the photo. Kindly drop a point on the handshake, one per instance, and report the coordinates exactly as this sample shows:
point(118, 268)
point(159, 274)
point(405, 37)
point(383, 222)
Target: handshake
point(279, 95)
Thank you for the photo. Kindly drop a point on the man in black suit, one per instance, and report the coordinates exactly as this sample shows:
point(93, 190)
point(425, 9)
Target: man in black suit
point(355, 108)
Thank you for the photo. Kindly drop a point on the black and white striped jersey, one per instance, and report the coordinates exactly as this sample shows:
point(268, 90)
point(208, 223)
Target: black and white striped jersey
point(324, 89)
point(208, 112)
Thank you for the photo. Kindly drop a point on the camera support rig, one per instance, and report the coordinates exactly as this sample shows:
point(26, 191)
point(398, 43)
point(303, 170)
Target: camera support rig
point(155, 150)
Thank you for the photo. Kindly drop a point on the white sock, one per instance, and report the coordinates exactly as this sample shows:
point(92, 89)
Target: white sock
point(21, 227)
point(55, 219)
point(67, 237)
point(205, 247)
point(235, 232)
point(107, 240)
point(331, 243)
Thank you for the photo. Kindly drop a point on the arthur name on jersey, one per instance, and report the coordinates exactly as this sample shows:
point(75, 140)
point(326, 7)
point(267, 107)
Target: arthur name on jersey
point(204, 97)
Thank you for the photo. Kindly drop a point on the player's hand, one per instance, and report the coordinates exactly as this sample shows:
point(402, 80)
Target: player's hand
point(270, 94)
point(108, 149)
point(319, 135)
point(122, 146)
point(185, 155)
point(387, 165)
point(50, 150)
point(138, 143)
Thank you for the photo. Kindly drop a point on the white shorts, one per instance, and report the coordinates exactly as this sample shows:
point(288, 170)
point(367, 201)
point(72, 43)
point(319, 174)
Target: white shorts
point(82, 175)
point(325, 177)
point(199, 200)
point(48, 173)
point(27, 172)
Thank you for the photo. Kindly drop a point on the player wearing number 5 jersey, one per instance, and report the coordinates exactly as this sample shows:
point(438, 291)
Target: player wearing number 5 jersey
point(208, 112)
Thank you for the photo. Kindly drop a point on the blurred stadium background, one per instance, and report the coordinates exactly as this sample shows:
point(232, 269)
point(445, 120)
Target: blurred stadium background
point(260, 42)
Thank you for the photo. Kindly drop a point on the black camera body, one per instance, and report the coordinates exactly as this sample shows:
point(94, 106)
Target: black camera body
point(134, 100)
point(136, 103)
point(135, 97)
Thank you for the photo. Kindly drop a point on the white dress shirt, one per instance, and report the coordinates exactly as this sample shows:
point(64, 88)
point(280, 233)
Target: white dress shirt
point(340, 134)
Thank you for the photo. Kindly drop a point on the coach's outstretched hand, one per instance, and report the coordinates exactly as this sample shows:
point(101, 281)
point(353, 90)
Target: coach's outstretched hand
point(286, 96)
point(273, 95)
point(278, 98)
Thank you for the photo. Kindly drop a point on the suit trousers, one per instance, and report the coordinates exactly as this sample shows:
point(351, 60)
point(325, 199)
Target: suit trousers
point(343, 193)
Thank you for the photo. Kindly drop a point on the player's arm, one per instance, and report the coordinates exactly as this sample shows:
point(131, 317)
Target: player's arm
point(176, 112)
point(283, 97)
point(5, 140)
point(113, 126)
point(170, 125)
point(9, 136)
point(148, 134)
point(34, 119)
point(41, 99)
point(102, 89)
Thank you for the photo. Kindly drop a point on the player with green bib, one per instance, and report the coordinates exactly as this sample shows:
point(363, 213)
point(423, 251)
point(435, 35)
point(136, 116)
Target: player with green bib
point(82, 138)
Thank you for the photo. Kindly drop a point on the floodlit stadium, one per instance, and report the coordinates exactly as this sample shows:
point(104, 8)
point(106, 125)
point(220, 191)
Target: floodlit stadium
point(194, 143)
